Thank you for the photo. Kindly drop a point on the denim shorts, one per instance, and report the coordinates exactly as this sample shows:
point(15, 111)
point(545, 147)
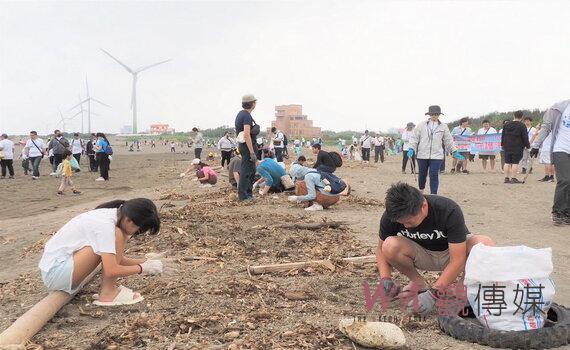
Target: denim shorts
point(60, 276)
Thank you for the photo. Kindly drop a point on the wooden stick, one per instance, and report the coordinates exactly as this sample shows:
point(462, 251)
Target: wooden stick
point(312, 226)
point(257, 270)
point(27, 325)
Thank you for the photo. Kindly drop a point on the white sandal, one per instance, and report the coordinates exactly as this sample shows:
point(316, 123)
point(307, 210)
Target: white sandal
point(125, 297)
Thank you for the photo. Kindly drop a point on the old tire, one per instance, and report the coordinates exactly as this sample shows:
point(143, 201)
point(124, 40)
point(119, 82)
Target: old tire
point(551, 336)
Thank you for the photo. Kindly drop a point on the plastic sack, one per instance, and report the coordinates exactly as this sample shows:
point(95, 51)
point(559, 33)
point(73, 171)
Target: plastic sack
point(509, 288)
point(74, 164)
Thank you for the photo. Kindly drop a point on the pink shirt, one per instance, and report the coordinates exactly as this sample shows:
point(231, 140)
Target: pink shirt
point(209, 171)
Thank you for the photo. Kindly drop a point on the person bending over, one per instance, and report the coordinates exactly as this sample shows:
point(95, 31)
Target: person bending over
point(425, 232)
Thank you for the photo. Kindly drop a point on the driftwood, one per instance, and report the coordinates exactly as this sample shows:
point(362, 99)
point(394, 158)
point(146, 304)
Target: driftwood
point(257, 270)
point(27, 325)
point(312, 226)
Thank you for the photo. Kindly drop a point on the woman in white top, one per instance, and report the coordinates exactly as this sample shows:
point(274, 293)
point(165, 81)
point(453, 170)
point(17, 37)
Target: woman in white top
point(99, 236)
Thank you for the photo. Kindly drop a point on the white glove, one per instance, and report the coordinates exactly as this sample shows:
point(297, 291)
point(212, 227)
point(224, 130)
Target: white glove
point(261, 191)
point(151, 267)
point(292, 199)
point(182, 174)
point(169, 265)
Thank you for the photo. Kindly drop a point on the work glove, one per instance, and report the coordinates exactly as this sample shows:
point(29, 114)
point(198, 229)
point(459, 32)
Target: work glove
point(390, 288)
point(253, 156)
point(152, 267)
point(426, 303)
point(458, 155)
point(410, 153)
point(169, 265)
point(292, 199)
point(182, 175)
point(534, 152)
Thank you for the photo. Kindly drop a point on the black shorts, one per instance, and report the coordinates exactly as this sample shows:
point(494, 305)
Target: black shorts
point(513, 157)
point(486, 156)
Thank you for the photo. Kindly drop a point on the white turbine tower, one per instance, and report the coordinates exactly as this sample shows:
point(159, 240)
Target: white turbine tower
point(134, 72)
point(88, 99)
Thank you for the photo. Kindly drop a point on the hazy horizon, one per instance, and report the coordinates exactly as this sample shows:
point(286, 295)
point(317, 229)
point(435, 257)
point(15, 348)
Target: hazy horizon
point(352, 65)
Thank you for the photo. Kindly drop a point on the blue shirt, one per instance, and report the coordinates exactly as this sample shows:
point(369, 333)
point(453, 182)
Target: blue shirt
point(271, 171)
point(243, 118)
point(103, 144)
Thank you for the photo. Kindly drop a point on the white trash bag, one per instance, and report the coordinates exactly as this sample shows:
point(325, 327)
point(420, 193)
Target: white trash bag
point(509, 288)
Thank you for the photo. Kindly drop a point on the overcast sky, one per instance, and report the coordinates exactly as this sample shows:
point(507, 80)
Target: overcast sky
point(351, 64)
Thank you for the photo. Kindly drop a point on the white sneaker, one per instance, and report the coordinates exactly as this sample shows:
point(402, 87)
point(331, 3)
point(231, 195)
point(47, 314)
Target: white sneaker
point(35, 178)
point(99, 179)
point(206, 185)
point(314, 207)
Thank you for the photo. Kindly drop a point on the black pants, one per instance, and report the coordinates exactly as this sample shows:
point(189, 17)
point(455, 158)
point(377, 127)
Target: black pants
point(279, 154)
point(561, 161)
point(226, 157)
point(93, 166)
point(412, 162)
point(7, 163)
point(77, 157)
point(197, 152)
point(378, 153)
point(366, 154)
point(57, 158)
point(247, 172)
point(103, 160)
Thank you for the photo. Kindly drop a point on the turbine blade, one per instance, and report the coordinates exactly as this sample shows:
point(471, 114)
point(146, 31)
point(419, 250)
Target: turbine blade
point(87, 86)
point(151, 65)
point(79, 104)
point(96, 100)
point(119, 62)
point(76, 114)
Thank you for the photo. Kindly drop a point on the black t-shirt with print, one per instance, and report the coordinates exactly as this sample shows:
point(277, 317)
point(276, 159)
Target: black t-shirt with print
point(444, 224)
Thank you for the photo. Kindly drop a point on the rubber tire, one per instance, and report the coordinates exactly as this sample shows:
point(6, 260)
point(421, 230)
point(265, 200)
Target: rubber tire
point(469, 329)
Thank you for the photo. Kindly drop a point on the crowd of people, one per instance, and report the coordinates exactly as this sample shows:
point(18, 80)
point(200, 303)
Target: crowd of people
point(63, 155)
point(417, 231)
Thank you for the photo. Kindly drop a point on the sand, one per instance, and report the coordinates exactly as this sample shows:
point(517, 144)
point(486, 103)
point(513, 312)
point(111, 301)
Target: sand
point(215, 301)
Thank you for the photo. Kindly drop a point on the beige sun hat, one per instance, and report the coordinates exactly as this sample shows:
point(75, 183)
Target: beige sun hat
point(248, 98)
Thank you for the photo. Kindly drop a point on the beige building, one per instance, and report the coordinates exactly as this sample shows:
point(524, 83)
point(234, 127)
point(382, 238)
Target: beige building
point(290, 120)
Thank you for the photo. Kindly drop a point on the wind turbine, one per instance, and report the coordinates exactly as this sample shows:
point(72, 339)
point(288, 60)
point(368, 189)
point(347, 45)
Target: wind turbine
point(62, 121)
point(135, 73)
point(88, 99)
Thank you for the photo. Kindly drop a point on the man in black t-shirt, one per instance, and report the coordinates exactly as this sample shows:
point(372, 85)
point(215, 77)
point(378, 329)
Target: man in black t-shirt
point(324, 160)
point(244, 124)
point(514, 139)
point(422, 232)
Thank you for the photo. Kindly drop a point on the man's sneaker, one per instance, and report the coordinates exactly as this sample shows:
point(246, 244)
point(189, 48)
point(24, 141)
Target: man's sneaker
point(523, 171)
point(530, 171)
point(507, 180)
point(314, 207)
point(35, 178)
point(465, 172)
point(514, 180)
point(551, 178)
point(11, 177)
point(99, 179)
point(452, 171)
point(559, 219)
point(545, 178)
point(2, 177)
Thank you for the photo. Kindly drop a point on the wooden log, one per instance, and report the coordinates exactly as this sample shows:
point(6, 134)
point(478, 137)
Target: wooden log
point(27, 325)
point(257, 270)
point(312, 225)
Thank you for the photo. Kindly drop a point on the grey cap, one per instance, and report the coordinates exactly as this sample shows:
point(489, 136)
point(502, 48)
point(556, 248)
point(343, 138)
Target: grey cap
point(434, 110)
point(248, 98)
point(410, 125)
